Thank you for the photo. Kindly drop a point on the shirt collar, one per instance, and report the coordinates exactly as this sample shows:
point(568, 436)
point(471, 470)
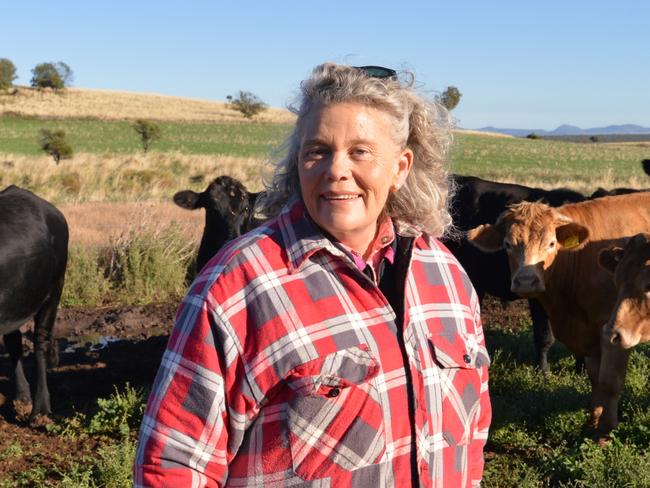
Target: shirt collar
point(302, 237)
point(380, 247)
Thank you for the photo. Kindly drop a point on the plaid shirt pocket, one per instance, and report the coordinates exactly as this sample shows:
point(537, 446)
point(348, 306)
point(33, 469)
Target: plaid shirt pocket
point(335, 419)
point(457, 357)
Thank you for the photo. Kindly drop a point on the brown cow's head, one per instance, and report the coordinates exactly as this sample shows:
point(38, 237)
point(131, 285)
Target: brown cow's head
point(532, 235)
point(629, 323)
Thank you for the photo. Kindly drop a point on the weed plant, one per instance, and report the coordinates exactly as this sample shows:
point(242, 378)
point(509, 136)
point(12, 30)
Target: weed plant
point(115, 424)
point(137, 267)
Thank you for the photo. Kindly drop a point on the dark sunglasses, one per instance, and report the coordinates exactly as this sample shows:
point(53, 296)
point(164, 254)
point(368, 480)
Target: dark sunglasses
point(377, 71)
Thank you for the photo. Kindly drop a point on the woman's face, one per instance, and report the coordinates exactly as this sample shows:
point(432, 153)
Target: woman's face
point(347, 165)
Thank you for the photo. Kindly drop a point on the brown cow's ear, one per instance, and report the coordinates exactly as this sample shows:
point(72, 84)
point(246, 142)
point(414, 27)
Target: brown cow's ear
point(572, 236)
point(486, 237)
point(187, 199)
point(610, 257)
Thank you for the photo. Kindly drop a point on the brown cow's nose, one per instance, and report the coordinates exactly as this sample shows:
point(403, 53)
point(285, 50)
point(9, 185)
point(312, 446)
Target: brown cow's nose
point(615, 338)
point(526, 281)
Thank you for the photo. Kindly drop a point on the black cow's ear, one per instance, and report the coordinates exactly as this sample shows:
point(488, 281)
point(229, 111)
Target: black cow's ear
point(486, 237)
point(187, 199)
point(610, 257)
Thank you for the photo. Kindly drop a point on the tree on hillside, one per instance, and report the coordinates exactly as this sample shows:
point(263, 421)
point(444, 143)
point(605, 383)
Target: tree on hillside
point(53, 143)
point(51, 75)
point(450, 97)
point(148, 132)
point(7, 73)
point(247, 103)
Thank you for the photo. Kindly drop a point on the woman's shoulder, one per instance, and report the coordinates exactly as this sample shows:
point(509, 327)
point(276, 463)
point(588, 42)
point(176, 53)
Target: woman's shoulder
point(434, 246)
point(240, 258)
point(437, 260)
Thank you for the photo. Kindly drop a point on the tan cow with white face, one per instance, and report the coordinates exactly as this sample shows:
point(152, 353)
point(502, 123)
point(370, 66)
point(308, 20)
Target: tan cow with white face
point(629, 323)
point(553, 255)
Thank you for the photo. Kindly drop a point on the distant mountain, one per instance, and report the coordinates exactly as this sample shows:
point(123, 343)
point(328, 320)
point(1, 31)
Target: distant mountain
point(566, 130)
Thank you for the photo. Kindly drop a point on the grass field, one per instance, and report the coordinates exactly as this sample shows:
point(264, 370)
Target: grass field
point(532, 162)
point(19, 136)
point(117, 105)
point(550, 164)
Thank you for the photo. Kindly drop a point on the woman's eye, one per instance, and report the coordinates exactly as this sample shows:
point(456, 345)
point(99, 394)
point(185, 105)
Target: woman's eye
point(360, 152)
point(314, 153)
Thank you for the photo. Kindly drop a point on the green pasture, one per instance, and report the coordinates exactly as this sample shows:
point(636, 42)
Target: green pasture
point(542, 162)
point(536, 437)
point(550, 163)
point(20, 135)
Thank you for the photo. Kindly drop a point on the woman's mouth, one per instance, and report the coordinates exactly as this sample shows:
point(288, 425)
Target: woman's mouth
point(340, 196)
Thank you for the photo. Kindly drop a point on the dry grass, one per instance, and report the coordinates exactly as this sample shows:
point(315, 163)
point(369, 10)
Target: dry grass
point(117, 105)
point(123, 178)
point(106, 196)
point(97, 224)
point(481, 133)
point(643, 144)
point(607, 179)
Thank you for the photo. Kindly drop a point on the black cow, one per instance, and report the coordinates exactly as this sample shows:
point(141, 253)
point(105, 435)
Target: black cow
point(229, 212)
point(33, 259)
point(477, 201)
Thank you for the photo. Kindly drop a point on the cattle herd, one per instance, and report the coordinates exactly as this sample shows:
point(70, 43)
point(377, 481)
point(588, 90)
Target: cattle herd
point(583, 263)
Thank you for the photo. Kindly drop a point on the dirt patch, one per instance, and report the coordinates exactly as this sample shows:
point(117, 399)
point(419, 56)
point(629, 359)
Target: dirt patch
point(101, 349)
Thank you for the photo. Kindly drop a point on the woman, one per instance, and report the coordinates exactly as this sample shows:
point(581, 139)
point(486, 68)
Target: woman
point(339, 344)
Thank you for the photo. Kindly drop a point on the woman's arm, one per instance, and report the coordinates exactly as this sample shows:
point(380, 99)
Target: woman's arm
point(196, 406)
point(485, 416)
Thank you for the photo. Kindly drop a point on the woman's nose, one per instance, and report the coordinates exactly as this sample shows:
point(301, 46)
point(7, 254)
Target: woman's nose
point(339, 166)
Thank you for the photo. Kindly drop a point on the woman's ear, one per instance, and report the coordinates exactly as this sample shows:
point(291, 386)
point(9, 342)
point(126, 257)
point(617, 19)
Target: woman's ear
point(404, 164)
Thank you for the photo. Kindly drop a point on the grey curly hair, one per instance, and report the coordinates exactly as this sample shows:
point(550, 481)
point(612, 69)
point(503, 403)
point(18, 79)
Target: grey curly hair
point(421, 125)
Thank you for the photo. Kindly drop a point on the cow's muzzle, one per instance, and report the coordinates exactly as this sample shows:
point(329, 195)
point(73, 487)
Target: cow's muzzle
point(618, 337)
point(527, 282)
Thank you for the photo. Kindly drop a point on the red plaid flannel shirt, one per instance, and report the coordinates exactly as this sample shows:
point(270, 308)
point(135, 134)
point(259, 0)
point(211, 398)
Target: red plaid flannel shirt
point(285, 368)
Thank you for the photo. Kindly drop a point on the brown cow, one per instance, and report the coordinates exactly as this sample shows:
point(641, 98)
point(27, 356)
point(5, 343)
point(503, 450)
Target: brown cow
point(553, 257)
point(629, 323)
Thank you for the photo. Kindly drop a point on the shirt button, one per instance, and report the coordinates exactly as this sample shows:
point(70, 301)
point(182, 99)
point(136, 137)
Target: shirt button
point(467, 358)
point(334, 392)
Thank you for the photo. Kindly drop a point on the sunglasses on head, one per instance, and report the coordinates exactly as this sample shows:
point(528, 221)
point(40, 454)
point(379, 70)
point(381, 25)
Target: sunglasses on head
point(377, 71)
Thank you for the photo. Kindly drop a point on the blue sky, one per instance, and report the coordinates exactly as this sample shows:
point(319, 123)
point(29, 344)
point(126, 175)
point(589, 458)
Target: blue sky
point(518, 64)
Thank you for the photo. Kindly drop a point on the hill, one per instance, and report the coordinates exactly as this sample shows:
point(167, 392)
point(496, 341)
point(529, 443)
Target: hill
point(117, 105)
point(572, 130)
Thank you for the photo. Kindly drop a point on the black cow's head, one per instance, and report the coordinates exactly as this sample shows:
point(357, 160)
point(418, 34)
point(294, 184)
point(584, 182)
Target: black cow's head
point(226, 202)
point(229, 212)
